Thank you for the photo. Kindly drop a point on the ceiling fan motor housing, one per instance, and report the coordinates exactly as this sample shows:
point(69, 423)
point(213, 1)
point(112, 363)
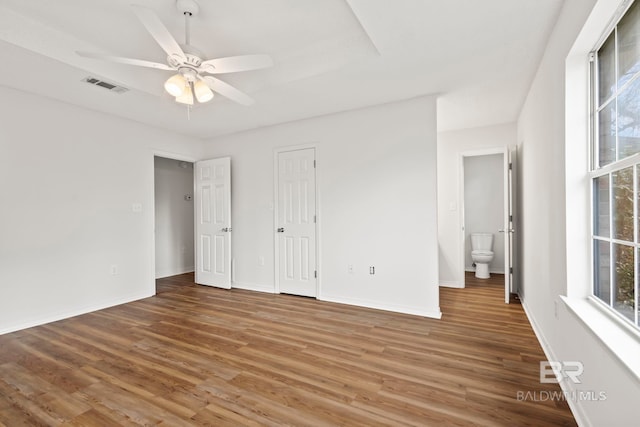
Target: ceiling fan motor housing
point(190, 59)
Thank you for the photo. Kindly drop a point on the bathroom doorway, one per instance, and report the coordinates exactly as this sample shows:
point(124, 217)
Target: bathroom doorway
point(486, 196)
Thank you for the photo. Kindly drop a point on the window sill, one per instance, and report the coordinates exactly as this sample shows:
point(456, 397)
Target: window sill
point(621, 339)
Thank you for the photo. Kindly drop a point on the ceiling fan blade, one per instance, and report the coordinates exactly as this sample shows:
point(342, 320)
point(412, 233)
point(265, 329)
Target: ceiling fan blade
point(227, 90)
point(158, 31)
point(128, 61)
point(233, 64)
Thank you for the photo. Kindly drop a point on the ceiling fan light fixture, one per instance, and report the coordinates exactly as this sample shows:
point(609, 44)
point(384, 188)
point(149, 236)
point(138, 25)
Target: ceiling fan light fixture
point(202, 91)
point(175, 85)
point(186, 97)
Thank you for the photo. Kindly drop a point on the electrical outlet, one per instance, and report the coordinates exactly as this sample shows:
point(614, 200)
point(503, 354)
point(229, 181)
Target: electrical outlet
point(113, 269)
point(350, 268)
point(136, 207)
point(372, 270)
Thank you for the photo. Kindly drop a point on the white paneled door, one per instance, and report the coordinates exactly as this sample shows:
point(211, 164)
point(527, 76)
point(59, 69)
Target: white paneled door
point(213, 222)
point(296, 222)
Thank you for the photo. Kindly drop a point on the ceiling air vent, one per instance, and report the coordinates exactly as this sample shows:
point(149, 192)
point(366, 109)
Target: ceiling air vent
point(109, 86)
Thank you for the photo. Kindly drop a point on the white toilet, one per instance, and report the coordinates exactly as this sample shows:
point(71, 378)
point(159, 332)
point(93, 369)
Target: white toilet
point(481, 253)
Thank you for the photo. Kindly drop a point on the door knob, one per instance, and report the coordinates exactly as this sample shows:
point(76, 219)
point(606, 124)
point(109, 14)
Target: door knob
point(280, 230)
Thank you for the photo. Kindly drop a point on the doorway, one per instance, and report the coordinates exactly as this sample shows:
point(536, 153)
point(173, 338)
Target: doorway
point(173, 217)
point(487, 210)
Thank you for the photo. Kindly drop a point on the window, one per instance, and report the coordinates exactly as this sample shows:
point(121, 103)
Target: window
point(615, 171)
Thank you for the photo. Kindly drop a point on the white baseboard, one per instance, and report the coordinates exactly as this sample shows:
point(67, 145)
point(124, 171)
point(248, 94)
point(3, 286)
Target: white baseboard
point(174, 272)
point(72, 313)
point(270, 289)
point(451, 284)
point(381, 306)
point(566, 386)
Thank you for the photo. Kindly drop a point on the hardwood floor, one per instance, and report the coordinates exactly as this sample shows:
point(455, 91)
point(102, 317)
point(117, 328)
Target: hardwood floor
point(194, 355)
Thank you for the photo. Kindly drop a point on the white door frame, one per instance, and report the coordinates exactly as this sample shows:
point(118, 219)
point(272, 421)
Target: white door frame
point(276, 242)
point(505, 156)
point(172, 156)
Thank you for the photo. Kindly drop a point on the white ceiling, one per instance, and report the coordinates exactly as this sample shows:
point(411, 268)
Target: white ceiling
point(330, 55)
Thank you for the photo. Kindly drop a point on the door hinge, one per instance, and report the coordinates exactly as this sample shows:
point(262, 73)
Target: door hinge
point(510, 166)
point(510, 270)
point(511, 218)
point(314, 219)
point(315, 274)
point(314, 163)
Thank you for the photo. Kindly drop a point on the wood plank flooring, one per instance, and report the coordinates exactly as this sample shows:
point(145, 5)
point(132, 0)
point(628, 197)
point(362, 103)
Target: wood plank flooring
point(194, 355)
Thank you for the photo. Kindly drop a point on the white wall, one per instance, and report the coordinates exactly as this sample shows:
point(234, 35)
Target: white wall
point(377, 204)
point(450, 147)
point(545, 253)
point(68, 180)
point(173, 217)
point(484, 205)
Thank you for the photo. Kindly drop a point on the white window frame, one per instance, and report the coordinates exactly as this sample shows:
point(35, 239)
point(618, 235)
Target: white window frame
point(616, 334)
point(596, 171)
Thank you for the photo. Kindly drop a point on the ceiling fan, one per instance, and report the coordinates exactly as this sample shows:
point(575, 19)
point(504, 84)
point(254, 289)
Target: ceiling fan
point(190, 80)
